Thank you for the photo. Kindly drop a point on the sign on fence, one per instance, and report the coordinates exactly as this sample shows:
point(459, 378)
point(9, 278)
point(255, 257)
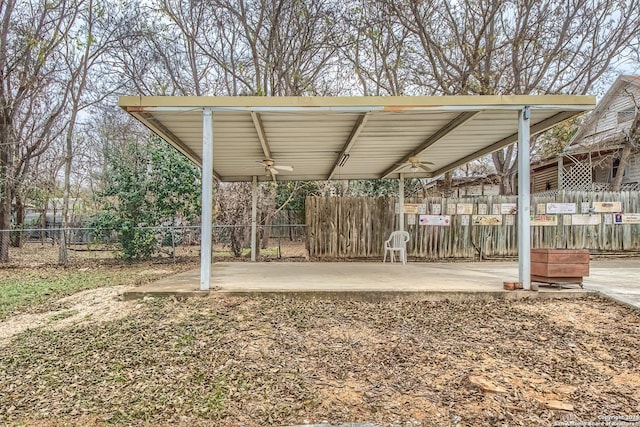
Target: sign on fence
point(487, 220)
point(544, 220)
point(410, 208)
point(627, 218)
point(581, 219)
point(442, 220)
point(464, 208)
point(609, 207)
point(561, 208)
point(508, 208)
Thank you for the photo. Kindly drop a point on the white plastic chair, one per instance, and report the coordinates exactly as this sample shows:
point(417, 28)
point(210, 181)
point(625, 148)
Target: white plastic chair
point(397, 242)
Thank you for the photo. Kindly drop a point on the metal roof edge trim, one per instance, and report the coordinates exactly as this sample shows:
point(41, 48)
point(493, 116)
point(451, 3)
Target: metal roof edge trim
point(385, 103)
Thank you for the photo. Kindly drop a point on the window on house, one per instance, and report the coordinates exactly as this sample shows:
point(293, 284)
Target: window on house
point(615, 167)
point(626, 115)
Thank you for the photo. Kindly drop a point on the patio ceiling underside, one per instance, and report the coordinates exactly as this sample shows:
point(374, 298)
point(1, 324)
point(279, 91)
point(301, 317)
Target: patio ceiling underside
point(338, 139)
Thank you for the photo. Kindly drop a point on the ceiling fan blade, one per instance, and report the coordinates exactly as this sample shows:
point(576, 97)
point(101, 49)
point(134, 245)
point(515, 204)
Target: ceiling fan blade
point(423, 167)
point(273, 170)
point(284, 167)
point(428, 163)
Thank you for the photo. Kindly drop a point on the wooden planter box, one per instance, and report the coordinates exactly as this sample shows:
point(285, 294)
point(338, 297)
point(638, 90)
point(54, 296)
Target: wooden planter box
point(559, 265)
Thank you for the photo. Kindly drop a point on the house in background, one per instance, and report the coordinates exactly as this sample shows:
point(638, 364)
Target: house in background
point(591, 160)
point(464, 186)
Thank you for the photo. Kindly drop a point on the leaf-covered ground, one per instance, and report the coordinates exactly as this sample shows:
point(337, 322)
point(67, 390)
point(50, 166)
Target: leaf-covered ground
point(29, 287)
point(282, 361)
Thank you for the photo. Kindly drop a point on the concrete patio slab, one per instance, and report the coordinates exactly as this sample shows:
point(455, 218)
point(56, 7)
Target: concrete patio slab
point(616, 279)
point(355, 280)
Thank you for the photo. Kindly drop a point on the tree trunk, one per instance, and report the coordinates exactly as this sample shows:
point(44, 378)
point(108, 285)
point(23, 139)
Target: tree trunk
point(63, 257)
point(634, 139)
point(5, 190)
point(266, 231)
point(625, 154)
point(5, 227)
point(18, 240)
point(447, 182)
point(43, 222)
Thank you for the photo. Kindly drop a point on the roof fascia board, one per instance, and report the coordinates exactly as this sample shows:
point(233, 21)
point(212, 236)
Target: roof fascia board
point(357, 103)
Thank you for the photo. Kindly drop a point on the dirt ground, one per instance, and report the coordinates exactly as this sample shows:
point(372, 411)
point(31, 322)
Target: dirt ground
point(242, 361)
point(93, 359)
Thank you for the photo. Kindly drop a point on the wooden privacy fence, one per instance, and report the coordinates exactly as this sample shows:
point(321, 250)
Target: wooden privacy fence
point(473, 227)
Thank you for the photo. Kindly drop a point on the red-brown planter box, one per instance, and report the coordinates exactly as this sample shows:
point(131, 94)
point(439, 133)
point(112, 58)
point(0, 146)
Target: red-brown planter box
point(559, 265)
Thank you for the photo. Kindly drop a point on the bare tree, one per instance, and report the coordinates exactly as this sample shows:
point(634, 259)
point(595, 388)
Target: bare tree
point(32, 95)
point(258, 47)
point(84, 52)
point(516, 47)
point(378, 48)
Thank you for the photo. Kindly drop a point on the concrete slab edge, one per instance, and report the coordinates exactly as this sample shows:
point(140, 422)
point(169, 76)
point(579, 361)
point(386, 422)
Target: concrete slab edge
point(377, 296)
point(618, 299)
point(134, 295)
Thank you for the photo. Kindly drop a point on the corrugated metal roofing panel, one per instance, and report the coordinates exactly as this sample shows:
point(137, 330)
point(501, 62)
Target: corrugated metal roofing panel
point(373, 133)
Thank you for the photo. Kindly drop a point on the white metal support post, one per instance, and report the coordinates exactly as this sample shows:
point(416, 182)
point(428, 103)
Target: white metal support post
point(207, 200)
point(524, 199)
point(254, 217)
point(401, 203)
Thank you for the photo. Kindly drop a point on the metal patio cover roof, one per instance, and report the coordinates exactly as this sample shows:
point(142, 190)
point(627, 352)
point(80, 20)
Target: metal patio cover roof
point(347, 137)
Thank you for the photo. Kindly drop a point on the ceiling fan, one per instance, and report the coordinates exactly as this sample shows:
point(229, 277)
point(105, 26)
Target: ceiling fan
point(414, 164)
point(272, 169)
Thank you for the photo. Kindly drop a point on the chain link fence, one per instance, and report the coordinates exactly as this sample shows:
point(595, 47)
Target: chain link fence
point(281, 241)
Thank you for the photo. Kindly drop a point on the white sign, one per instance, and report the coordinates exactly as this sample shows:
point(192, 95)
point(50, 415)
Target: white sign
point(422, 208)
point(566, 219)
point(508, 208)
point(444, 220)
point(510, 219)
point(464, 220)
point(495, 210)
point(482, 209)
point(451, 209)
point(608, 219)
point(561, 208)
point(580, 219)
point(411, 220)
point(436, 209)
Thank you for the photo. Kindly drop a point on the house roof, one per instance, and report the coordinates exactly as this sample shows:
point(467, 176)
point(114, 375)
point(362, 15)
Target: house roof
point(347, 137)
point(574, 146)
